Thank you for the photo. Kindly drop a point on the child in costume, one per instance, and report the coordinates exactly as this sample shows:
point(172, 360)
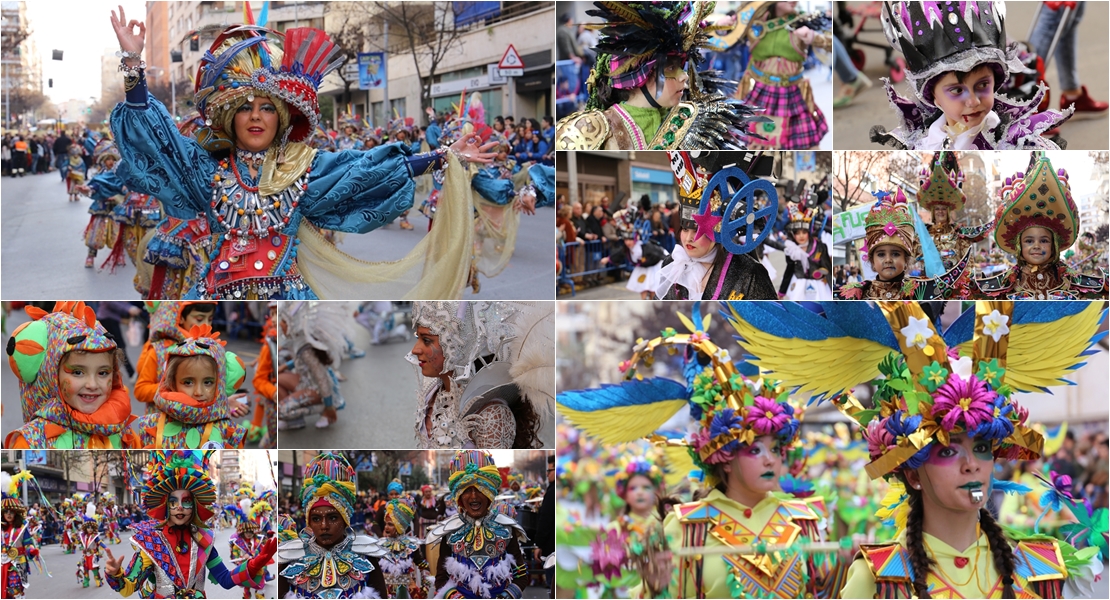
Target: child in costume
point(174, 550)
point(480, 554)
point(779, 38)
point(91, 548)
point(646, 92)
point(942, 195)
point(19, 546)
point(403, 565)
point(68, 543)
point(170, 323)
point(137, 215)
point(72, 391)
point(639, 483)
point(889, 242)
point(957, 58)
point(943, 413)
point(263, 426)
point(245, 544)
point(106, 190)
point(109, 512)
point(808, 263)
point(328, 559)
point(1036, 221)
point(708, 263)
point(192, 400)
point(743, 430)
point(75, 175)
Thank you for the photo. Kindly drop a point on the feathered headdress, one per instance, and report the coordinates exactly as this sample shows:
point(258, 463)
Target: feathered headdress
point(10, 486)
point(928, 385)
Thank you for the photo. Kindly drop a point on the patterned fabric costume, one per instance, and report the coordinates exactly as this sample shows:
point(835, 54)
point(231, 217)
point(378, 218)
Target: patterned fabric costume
point(108, 191)
point(924, 395)
point(165, 332)
point(263, 426)
point(808, 269)
point(636, 42)
point(348, 569)
point(35, 353)
point(311, 330)
point(172, 561)
point(91, 548)
point(506, 339)
point(941, 186)
point(939, 38)
point(19, 545)
point(185, 422)
point(245, 542)
point(403, 563)
point(1040, 197)
point(480, 558)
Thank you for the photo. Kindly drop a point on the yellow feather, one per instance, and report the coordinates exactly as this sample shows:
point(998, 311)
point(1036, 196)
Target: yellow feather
point(707, 321)
point(678, 466)
point(893, 503)
point(13, 487)
point(623, 423)
point(686, 321)
point(1038, 355)
point(816, 367)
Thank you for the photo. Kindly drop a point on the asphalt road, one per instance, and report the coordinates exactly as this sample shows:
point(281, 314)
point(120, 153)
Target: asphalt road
point(64, 584)
point(43, 251)
point(9, 386)
point(852, 124)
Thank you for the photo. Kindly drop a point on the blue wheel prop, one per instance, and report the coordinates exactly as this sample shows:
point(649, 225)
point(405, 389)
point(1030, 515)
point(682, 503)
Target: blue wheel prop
point(749, 217)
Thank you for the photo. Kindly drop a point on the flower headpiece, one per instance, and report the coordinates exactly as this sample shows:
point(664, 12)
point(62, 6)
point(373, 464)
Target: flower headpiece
point(245, 60)
point(942, 183)
point(889, 222)
point(35, 352)
point(172, 470)
point(928, 386)
point(1040, 197)
point(937, 37)
point(329, 478)
point(400, 512)
point(230, 372)
point(474, 468)
point(709, 203)
point(637, 465)
point(731, 409)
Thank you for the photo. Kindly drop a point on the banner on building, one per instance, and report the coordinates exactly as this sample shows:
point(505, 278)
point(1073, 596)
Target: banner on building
point(371, 70)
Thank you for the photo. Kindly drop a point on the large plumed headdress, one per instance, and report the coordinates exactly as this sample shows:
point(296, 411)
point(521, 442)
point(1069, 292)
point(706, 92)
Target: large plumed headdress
point(172, 470)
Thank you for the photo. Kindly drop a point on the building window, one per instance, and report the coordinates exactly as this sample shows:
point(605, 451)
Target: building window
point(397, 108)
point(377, 119)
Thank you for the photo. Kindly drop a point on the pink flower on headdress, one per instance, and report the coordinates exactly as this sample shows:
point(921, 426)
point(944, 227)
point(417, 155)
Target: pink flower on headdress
point(968, 398)
point(878, 437)
point(766, 416)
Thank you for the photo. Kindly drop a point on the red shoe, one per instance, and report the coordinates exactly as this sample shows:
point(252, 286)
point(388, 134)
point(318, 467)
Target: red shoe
point(1085, 106)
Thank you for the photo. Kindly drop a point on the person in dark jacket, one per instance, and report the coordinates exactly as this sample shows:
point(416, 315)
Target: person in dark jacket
point(61, 153)
point(545, 532)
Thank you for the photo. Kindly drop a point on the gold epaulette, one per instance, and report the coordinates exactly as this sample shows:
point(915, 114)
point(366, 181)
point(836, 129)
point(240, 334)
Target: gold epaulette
point(583, 130)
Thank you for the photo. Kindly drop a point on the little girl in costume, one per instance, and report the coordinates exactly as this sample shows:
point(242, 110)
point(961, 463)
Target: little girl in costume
point(106, 190)
point(91, 547)
point(75, 176)
point(941, 194)
point(69, 379)
point(170, 323)
point(775, 80)
point(957, 58)
point(192, 400)
point(174, 550)
point(403, 564)
point(939, 422)
point(1036, 221)
point(245, 543)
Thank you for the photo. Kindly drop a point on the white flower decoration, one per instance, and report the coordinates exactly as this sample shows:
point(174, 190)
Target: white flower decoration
point(722, 355)
point(917, 333)
point(995, 326)
point(962, 367)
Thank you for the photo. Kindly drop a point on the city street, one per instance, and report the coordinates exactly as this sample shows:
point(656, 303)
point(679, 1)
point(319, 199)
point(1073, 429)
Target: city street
point(853, 123)
point(9, 385)
point(64, 584)
point(36, 212)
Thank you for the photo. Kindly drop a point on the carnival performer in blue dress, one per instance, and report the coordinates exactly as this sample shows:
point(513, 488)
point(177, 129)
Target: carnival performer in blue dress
point(106, 190)
point(251, 174)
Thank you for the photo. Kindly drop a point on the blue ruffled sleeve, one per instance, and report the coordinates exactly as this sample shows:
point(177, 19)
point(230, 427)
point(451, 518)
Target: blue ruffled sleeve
point(105, 185)
point(543, 177)
point(158, 160)
point(358, 190)
point(493, 188)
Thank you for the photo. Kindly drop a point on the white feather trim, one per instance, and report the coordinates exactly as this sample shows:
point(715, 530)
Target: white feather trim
point(366, 592)
point(480, 582)
point(532, 353)
point(395, 568)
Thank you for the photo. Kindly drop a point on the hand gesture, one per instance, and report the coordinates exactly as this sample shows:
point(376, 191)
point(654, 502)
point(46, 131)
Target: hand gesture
point(469, 149)
point(129, 41)
point(526, 203)
point(238, 409)
point(113, 564)
point(805, 34)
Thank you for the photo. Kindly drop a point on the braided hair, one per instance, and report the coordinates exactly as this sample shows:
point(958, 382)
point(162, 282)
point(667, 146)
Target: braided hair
point(922, 563)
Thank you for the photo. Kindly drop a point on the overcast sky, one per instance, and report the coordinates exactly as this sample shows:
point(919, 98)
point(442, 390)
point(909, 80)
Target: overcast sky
point(84, 31)
point(1077, 163)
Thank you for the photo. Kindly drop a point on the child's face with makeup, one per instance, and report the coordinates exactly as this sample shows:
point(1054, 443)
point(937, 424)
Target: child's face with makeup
point(888, 261)
point(966, 102)
point(757, 466)
point(197, 378)
point(1036, 245)
point(640, 495)
point(953, 472)
point(85, 380)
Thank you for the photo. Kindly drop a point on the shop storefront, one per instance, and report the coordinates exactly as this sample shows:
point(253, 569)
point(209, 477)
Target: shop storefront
point(658, 184)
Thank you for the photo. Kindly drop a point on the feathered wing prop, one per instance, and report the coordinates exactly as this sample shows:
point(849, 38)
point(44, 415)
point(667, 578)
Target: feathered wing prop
point(806, 351)
point(623, 412)
point(532, 354)
point(1047, 340)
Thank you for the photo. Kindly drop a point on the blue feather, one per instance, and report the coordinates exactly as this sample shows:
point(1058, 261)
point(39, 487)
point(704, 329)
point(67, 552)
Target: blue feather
point(695, 316)
point(1009, 487)
point(933, 265)
point(861, 320)
point(628, 393)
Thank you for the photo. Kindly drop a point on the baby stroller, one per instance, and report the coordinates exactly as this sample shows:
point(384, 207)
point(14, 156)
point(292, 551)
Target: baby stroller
point(846, 18)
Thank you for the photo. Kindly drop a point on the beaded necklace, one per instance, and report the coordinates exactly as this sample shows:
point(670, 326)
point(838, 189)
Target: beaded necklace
point(244, 214)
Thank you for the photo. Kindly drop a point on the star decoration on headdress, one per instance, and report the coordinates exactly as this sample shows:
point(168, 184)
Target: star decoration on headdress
point(706, 225)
